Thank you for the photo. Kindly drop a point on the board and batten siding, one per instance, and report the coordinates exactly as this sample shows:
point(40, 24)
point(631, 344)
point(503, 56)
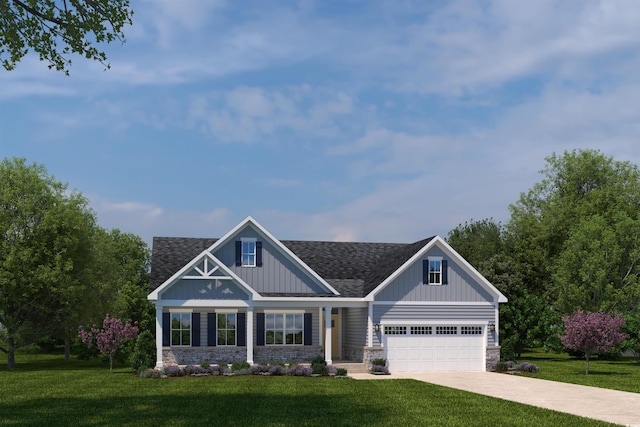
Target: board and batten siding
point(185, 289)
point(354, 326)
point(408, 286)
point(277, 274)
point(424, 314)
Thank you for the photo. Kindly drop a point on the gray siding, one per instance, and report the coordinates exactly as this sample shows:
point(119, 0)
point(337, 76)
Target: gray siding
point(409, 287)
point(277, 274)
point(204, 289)
point(435, 313)
point(354, 326)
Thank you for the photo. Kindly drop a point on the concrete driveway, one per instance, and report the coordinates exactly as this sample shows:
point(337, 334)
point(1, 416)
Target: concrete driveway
point(613, 406)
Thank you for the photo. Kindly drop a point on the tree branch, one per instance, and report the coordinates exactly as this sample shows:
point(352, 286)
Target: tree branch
point(38, 14)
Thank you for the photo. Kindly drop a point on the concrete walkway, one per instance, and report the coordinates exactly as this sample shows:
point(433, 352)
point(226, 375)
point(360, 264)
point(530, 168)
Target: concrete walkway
point(613, 406)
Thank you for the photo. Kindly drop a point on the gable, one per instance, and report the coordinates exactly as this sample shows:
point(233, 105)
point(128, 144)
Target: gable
point(468, 284)
point(279, 272)
point(204, 277)
point(409, 285)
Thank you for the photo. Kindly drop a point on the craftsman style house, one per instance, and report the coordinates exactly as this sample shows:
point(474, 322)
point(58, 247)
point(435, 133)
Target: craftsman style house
point(248, 296)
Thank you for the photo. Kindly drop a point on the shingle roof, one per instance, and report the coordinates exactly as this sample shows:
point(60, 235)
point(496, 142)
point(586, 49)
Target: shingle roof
point(353, 268)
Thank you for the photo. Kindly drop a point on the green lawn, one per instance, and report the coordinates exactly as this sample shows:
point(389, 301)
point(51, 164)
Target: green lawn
point(44, 390)
point(623, 374)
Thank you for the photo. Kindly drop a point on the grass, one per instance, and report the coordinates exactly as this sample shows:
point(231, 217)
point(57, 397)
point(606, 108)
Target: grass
point(623, 374)
point(44, 390)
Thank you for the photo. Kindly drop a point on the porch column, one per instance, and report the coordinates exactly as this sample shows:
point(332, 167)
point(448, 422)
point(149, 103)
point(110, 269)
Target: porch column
point(327, 338)
point(250, 335)
point(370, 325)
point(158, 337)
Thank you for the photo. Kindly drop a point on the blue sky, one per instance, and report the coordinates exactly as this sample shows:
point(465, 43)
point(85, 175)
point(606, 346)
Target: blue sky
point(330, 120)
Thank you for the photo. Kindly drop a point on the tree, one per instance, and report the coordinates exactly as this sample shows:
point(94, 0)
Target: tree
point(144, 353)
point(45, 239)
point(575, 235)
point(527, 320)
point(56, 28)
point(595, 332)
point(110, 337)
point(121, 278)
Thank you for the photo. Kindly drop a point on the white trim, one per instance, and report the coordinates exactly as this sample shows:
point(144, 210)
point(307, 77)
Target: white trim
point(225, 310)
point(253, 240)
point(180, 310)
point(277, 244)
point(436, 259)
point(460, 261)
point(433, 323)
point(476, 303)
point(284, 312)
point(155, 295)
point(370, 325)
point(201, 303)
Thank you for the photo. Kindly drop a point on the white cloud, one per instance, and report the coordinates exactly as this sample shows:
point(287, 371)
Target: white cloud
point(247, 114)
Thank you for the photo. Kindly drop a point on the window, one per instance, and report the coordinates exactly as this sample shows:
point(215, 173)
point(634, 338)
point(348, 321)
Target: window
point(284, 329)
point(435, 271)
point(421, 330)
point(446, 330)
point(181, 329)
point(248, 252)
point(395, 330)
point(471, 330)
point(226, 328)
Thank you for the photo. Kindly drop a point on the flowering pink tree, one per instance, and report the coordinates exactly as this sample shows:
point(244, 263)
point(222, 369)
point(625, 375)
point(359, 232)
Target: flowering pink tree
point(590, 333)
point(107, 339)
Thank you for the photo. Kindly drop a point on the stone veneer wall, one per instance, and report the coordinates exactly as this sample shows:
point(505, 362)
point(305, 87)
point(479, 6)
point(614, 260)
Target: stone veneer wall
point(197, 355)
point(362, 354)
point(492, 356)
point(287, 353)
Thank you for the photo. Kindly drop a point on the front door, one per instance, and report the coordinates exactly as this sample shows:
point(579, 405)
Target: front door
point(335, 336)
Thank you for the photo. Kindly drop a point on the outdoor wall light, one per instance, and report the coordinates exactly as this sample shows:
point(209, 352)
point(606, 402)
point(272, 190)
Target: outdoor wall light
point(491, 327)
point(376, 327)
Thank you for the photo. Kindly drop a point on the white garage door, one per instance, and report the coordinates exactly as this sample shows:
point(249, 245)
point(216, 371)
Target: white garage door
point(434, 348)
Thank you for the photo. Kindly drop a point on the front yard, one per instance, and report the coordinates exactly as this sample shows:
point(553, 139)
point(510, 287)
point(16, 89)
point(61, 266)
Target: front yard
point(623, 374)
point(43, 390)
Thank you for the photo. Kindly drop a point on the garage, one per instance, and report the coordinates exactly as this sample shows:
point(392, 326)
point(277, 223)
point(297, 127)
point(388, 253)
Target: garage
point(435, 348)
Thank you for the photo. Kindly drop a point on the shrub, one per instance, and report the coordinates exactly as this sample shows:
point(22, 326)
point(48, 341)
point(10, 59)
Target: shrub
point(379, 368)
point(205, 365)
point(300, 371)
point(195, 370)
point(174, 371)
point(510, 364)
point(259, 369)
point(237, 366)
point(319, 365)
point(341, 372)
point(276, 370)
point(527, 367)
point(500, 367)
point(150, 373)
point(243, 371)
point(215, 370)
point(379, 362)
point(318, 360)
point(331, 370)
point(144, 352)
